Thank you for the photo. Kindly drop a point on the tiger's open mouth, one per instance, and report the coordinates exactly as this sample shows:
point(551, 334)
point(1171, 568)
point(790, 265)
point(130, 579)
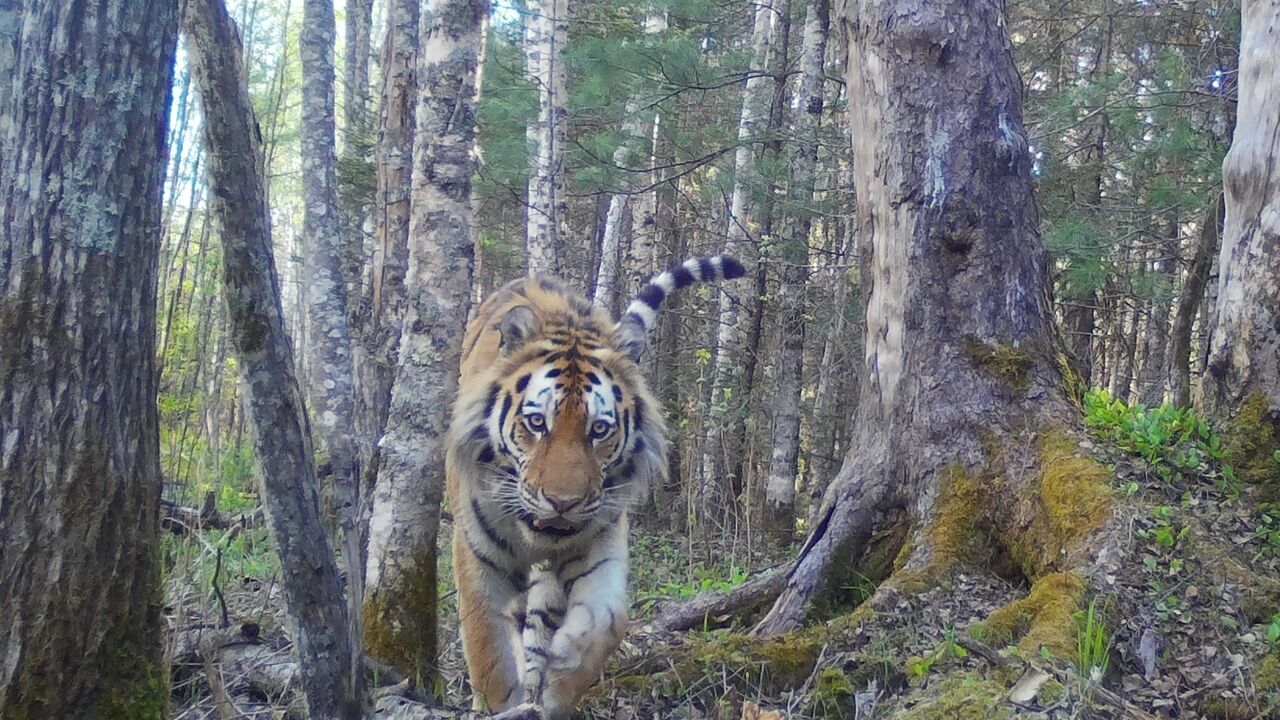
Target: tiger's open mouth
point(553, 526)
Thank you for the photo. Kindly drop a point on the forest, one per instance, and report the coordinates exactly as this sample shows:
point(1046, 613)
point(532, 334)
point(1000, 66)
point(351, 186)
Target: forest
point(632, 359)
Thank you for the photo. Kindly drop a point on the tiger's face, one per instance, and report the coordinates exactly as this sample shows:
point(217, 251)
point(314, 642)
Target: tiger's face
point(565, 437)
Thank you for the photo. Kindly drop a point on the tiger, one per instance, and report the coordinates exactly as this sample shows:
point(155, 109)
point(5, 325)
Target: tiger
point(554, 434)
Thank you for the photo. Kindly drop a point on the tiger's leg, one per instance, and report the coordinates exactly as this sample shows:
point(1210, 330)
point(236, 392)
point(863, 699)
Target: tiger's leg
point(488, 603)
point(595, 620)
point(544, 612)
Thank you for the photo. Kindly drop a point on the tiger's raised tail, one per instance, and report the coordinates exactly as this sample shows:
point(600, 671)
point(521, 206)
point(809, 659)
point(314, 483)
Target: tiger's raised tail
point(633, 329)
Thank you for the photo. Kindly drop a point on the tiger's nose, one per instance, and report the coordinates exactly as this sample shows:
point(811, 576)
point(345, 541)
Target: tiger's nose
point(563, 504)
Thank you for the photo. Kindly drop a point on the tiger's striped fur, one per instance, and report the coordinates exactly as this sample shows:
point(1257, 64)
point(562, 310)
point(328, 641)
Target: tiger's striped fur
point(554, 434)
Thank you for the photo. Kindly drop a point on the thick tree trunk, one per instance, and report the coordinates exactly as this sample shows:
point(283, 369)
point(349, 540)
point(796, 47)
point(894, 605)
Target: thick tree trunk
point(1189, 299)
point(379, 349)
point(780, 486)
point(80, 204)
point(1242, 385)
point(546, 34)
point(282, 435)
point(400, 609)
point(960, 348)
point(729, 333)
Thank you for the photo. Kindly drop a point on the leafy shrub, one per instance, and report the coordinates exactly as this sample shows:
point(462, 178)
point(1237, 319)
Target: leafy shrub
point(1173, 441)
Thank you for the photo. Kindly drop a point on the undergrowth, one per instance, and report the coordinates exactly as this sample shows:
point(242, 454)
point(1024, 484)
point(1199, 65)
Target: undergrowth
point(1176, 443)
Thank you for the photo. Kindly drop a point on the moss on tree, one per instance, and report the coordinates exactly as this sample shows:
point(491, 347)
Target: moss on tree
point(1251, 439)
point(1044, 619)
point(400, 621)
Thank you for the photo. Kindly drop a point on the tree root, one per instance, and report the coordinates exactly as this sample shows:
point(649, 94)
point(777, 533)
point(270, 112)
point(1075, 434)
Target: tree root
point(694, 612)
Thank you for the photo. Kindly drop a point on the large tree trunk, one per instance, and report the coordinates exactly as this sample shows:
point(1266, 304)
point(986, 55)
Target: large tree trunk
point(546, 34)
point(961, 380)
point(379, 349)
point(1189, 300)
point(1242, 385)
point(729, 333)
point(400, 610)
point(780, 486)
point(80, 204)
point(282, 435)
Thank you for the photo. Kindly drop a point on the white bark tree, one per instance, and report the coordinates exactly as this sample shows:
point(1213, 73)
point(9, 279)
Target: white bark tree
point(400, 608)
point(1242, 383)
point(738, 242)
point(85, 106)
point(780, 485)
point(546, 25)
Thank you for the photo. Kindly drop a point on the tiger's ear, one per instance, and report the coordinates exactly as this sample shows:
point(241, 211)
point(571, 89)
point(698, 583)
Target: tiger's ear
point(516, 328)
point(630, 337)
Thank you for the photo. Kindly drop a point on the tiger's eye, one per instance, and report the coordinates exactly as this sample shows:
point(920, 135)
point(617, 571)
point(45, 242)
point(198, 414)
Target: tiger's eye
point(536, 422)
point(599, 429)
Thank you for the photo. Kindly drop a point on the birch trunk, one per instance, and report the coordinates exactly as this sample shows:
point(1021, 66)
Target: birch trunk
point(960, 358)
point(780, 486)
point(80, 590)
point(380, 344)
point(400, 609)
point(1153, 379)
point(738, 238)
point(281, 432)
point(546, 34)
point(1242, 385)
point(357, 31)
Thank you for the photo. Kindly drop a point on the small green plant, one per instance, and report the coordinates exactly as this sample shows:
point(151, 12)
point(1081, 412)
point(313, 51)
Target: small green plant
point(1273, 630)
point(1093, 642)
point(1173, 441)
point(949, 648)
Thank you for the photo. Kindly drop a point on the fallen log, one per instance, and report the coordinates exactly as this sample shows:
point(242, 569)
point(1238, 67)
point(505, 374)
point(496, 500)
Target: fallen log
point(694, 612)
point(184, 520)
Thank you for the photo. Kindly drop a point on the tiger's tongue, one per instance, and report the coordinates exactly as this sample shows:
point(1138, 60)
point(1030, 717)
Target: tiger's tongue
point(556, 523)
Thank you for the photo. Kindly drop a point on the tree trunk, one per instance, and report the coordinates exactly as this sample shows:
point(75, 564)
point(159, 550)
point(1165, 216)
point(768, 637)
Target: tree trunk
point(729, 334)
point(780, 486)
point(1189, 300)
point(546, 33)
point(960, 371)
point(330, 378)
point(358, 31)
point(1154, 376)
point(379, 349)
point(282, 436)
point(1242, 385)
point(80, 591)
point(400, 610)
point(10, 33)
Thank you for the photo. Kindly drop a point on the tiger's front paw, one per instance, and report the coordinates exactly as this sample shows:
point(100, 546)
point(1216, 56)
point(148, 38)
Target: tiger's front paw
point(524, 711)
point(572, 641)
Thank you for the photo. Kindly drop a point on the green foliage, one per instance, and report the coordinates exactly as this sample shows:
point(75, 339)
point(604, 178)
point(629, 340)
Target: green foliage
point(1093, 641)
point(1174, 442)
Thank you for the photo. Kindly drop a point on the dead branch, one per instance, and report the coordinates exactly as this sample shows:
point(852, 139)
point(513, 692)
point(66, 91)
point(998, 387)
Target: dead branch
point(184, 520)
point(695, 611)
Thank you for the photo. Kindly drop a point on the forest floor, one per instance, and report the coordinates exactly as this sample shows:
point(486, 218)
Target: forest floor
point(1188, 626)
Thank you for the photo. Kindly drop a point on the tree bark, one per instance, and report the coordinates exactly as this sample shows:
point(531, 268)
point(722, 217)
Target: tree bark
point(379, 349)
point(281, 432)
point(729, 334)
point(10, 32)
point(1242, 385)
point(1153, 378)
point(400, 609)
point(1189, 299)
point(330, 377)
point(546, 34)
point(80, 203)
point(960, 366)
point(780, 486)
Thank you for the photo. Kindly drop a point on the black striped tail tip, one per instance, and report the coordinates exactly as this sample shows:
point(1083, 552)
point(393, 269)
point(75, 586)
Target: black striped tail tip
point(730, 268)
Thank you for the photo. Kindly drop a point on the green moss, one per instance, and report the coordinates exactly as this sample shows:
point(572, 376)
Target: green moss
point(400, 621)
point(1074, 500)
point(1045, 618)
point(1266, 676)
point(952, 534)
point(961, 698)
point(832, 694)
point(1218, 707)
point(1005, 363)
point(1251, 439)
point(1050, 692)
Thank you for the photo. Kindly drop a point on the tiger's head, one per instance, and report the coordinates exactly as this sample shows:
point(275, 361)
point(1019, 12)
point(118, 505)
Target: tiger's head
point(561, 428)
